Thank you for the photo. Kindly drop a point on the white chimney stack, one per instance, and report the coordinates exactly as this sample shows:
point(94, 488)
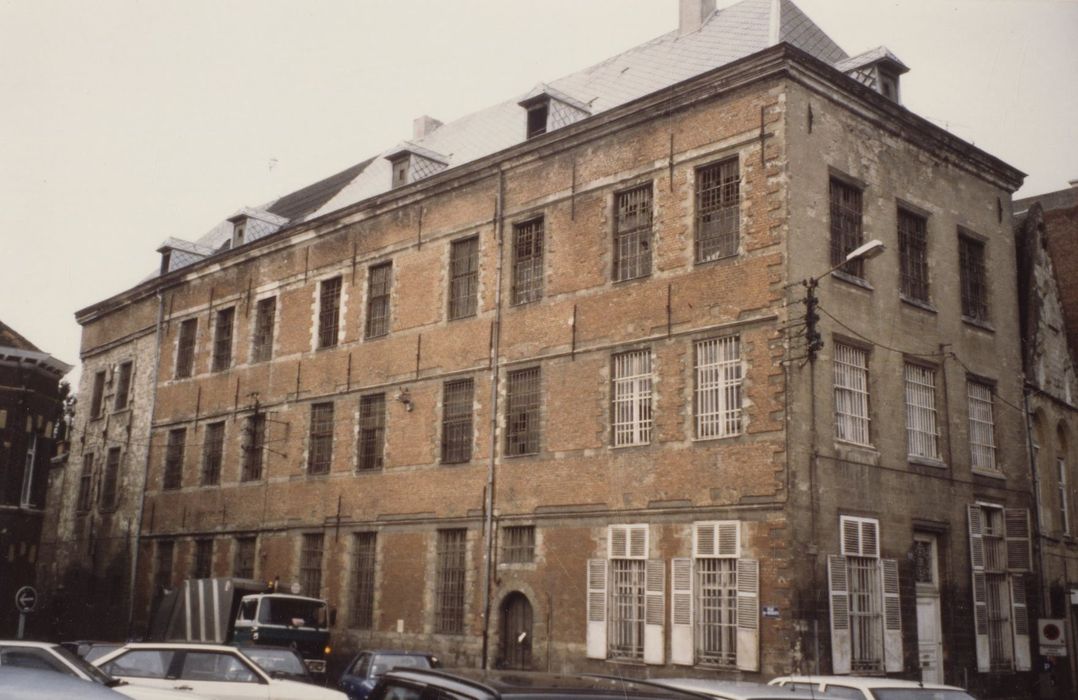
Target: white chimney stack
point(423, 126)
point(692, 14)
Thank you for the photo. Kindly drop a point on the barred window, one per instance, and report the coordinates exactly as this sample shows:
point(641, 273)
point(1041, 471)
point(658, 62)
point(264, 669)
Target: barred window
point(329, 312)
point(866, 614)
point(222, 339)
point(921, 428)
point(203, 562)
point(97, 399)
point(457, 421)
point(913, 254)
point(851, 394)
point(522, 412)
point(265, 320)
point(86, 483)
point(518, 544)
point(846, 227)
point(123, 386)
point(310, 566)
point(449, 584)
point(213, 447)
point(244, 564)
point(174, 458)
point(718, 210)
point(716, 611)
point(718, 387)
point(110, 484)
point(379, 283)
point(627, 601)
point(971, 273)
point(254, 432)
point(364, 551)
point(163, 566)
point(372, 431)
point(982, 427)
point(632, 233)
point(997, 593)
point(185, 348)
point(320, 442)
point(632, 398)
point(528, 261)
point(463, 277)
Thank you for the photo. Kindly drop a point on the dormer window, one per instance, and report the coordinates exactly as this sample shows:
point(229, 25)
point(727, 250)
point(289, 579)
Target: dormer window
point(249, 224)
point(877, 69)
point(549, 109)
point(537, 117)
point(238, 230)
point(400, 170)
point(411, 162)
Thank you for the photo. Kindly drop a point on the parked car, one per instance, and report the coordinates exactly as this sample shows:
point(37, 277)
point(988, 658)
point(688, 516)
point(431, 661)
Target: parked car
point(367, 667)
point(279, 662)
point(872, 688)
point(39, 684)
point(212, 670)
point(739, 690)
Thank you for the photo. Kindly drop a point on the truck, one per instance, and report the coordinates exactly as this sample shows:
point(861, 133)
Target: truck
point(244, 611)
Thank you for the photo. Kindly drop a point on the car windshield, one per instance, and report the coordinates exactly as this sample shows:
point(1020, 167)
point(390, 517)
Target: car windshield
point(99, 650)
point(277, 662)
point(919, 694)
point(293, 612)
point(95, 674)
point(385, 662)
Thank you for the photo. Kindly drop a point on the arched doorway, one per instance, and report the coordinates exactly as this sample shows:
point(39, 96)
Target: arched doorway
point(516, 632)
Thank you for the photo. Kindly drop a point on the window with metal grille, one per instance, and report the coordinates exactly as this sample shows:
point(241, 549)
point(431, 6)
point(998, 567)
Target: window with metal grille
point(110, 484)
point(632, 233)
point(310, 565)
point(718, 210)
point(173, 478)
point(718, 387)
point(716, 611)
point(632, 398)
point(379, 283)
point(846, 230)
point(463, 277)
point(222, 339)
point(1061, 485)
point(213, 448)
point(320, 439)
point(528, 261)
point(244, 564)
point(518, 544)
point(997, 591)
point(97, 399)
point(922, 434)
point(123, 386)
point(982, 426)
point(265, 320)
point(522, 412)
point(625, 628)
point(851, 394)
point(971, 274)
point(185, 348)
point(913, 254)
point(203, 563)
point(329, 312)
point(162, 578)
point(866, 614)
point(449, 584)
point(457, 421)
point(254, 432)
point(372, 431)
point(363, 563)
point(86, 483)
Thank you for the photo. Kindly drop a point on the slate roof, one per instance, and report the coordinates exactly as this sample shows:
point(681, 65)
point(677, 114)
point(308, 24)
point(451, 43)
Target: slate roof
point(10, 338)
point(1060, 199)
point(15, 348)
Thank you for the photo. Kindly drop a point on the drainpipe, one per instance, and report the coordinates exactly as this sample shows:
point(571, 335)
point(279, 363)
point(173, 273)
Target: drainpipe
point(1037, 506)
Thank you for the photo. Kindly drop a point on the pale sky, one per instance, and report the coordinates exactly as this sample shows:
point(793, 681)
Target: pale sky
point(125, 122)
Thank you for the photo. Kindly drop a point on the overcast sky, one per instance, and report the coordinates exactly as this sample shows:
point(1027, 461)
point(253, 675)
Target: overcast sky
point(125, 122)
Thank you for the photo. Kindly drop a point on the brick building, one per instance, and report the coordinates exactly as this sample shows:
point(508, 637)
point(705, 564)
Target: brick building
point(533, 388)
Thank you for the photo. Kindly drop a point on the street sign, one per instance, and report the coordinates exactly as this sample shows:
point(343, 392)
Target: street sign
point(26, 599)
point(1051, 637)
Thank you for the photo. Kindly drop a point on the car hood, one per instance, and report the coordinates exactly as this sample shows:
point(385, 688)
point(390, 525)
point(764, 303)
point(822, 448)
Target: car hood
point(281, 689)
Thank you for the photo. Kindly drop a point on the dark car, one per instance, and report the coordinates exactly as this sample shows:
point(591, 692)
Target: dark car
point(368, 666)
point(279, 662)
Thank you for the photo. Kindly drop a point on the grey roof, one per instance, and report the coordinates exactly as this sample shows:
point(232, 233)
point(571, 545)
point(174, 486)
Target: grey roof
point(1060, 199)
point(878, 54)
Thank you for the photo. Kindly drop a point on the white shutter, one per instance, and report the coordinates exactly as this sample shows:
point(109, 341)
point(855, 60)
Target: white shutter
point(638, 541)
point(892, 617)
point(838, 583)
point(596, 634)
point(655, 612)
point(860, 537)
point(1020, 622)
point(748, 615)
point(627, 541)
point(980, 585)
point(1016, 530)
point(681, 613)
point(720, 538)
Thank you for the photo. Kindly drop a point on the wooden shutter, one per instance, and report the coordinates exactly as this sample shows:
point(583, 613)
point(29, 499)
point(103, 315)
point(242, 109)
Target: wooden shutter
point(681, 613)
point(838, 583)
point(596, 634)
point(627, 541)
point(892, 616)
point(717, 539)
point(980, 585)
point(748, 615)
point(860, 537)
point(1016, 530)
point(638, 541)
point(654, 612)
point(1020, 622)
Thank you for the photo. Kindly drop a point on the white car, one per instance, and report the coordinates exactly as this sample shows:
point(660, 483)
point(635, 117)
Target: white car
point(53, 657)
point(735, 690)
point(209, 670)
point(872, 688)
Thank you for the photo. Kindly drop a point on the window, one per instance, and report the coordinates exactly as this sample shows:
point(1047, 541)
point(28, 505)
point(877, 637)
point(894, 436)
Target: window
point(185, 348)
point(718, 387)
point(26, 493)
point(363, 547)
point(329, 312)
point(846, 231)
point(203, 564)
point(522, 412)
point(244, 564)
point(265, 319)
point(518, 544)
point(632, 233)
point(718, 210)
point(537, 118)
point(528, 261)
point(109, 486)
point(913, 254)
point(715, 593)
point(174, 458)
point(632, 398)
point(1000, 556)
point(463, 277)
point(213, 447)
point(320, 442)
point(457, 421)
point(310, 566)
point(971, 274)
point(922, 435)
point(222, 339)
point(372, 431)
point(449, 584)
point(379, 282)
point(982, 440)
point(86, 483)
point(253, 449)
point(163, 566)
point(1061, 483)
point(400, 170)
point(97, 399)
point(123, 386)
point(851, 394)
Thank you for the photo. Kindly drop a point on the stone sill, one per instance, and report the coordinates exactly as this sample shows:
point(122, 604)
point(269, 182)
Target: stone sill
point(978, 324)
point(918, 304)
point(855, 281)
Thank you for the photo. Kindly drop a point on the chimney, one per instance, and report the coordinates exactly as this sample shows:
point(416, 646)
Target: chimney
point(692, 14)
point(424, 126)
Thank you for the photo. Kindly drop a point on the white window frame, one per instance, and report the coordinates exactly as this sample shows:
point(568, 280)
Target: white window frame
point(719, 375)
point(982, 427)
point(631, 404)
point(852, 421)
point(922, 427)
point(626, 599)
point(1064, 510)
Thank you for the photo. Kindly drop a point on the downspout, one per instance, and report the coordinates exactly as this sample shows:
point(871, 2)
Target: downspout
point(1037, 530)
point(146, 467)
